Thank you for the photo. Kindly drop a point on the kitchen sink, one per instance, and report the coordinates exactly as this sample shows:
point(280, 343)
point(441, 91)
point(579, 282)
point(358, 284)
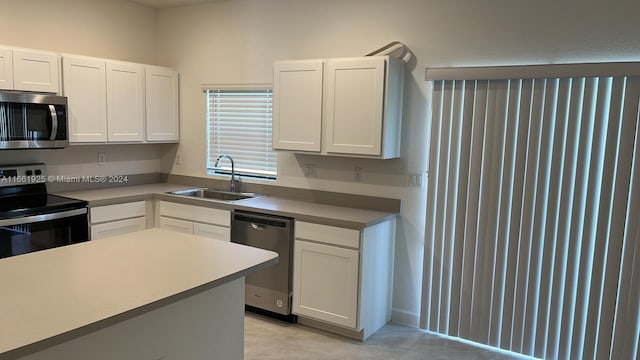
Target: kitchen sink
point(213, 194)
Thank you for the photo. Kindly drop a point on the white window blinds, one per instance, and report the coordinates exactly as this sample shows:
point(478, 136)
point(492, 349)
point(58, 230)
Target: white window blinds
point(239, 125)
point(533, 240)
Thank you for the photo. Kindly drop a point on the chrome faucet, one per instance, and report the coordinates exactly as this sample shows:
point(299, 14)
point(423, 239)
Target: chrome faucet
point(235, 184)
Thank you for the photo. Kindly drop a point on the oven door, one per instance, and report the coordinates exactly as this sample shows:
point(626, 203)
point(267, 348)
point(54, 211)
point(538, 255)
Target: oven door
point(40, 232)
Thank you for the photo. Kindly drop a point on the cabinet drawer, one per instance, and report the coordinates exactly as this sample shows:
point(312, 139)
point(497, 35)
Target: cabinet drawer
point(212, 231)
point(118, 211)
point(119, 227)
point(328, 234)
point(176, 225)
point(195, 213)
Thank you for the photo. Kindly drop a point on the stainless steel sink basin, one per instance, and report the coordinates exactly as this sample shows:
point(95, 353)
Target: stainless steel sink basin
point(215, 194)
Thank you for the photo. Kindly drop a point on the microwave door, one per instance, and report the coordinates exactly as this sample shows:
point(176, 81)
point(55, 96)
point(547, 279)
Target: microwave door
point(38, 123)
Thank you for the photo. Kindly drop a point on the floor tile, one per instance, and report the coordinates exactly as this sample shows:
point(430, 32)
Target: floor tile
point(267, 339)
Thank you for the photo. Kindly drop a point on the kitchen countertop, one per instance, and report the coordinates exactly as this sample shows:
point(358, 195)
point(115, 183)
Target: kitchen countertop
point(53, 296)
point(121, 194)
point(299, 210)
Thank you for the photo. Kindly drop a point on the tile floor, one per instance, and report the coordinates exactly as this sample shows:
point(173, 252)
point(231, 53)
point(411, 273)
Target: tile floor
point(267, 339)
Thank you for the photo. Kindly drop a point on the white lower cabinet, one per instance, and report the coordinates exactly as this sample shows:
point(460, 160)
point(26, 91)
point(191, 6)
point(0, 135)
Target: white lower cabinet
point(197, 220)
point(176, 225)
point(212, 231)
point(343, 277)
point(323, 271)
point(113, 228)
point(118, 219)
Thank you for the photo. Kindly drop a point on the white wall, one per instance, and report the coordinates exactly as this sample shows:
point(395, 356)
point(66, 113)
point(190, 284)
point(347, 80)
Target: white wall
point(236, 41)
point(111, 29)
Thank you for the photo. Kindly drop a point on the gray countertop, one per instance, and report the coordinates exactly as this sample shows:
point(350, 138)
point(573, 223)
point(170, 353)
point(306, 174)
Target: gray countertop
point(299, 210)
point(53, 296)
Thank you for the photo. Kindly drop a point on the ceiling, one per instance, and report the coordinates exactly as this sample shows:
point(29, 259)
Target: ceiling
point(159, 4)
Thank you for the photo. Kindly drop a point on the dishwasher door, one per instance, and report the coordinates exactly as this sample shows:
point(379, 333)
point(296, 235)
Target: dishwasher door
point(270, 288)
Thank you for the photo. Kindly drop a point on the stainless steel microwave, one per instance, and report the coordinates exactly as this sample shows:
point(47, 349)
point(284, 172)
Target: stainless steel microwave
point(33, 121)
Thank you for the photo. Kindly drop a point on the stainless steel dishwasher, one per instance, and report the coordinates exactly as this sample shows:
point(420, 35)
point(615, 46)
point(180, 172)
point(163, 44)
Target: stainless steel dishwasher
point(269, 290)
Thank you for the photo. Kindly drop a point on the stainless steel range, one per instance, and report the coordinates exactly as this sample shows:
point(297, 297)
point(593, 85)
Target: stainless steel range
point(33, 220)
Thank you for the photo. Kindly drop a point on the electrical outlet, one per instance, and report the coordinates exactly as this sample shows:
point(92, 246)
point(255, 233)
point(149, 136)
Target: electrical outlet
point(357, 174)
point(309, 170)
point(179, 157)
point(415, 179)
point(102, 158)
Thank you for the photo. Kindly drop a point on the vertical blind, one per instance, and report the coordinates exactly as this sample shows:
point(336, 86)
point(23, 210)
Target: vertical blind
point(239, 124)
point(532, 240)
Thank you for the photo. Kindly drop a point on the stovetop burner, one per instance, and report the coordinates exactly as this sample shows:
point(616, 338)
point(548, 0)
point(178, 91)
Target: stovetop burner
point(23, 192)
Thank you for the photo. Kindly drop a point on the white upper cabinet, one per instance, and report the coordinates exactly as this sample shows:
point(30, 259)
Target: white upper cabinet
point(6, 69)
point(297, 105)
point(36, 71)
point(354, 104)
point(125, 102)
point(85, 89)
point(111, 101)
point(162, 104)
point(360, 113)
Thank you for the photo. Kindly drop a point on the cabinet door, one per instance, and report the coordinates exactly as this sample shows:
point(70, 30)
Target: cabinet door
point(297, 105)
point(176, 225)
point(195, 213)
point(354, 105)
point(212, 231)
point(85, 88)
point(6, 69)
point(162, 104)
point(118, 211)
point(35, 71)
point(119, 227)
point(125, 102)
point(325, 283)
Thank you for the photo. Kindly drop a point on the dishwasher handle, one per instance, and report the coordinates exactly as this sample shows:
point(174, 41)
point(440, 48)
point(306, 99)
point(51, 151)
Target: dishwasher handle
point(258, 227)
point(260, 221)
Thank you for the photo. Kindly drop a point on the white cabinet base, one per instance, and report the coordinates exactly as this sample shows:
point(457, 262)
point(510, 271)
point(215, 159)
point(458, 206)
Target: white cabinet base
point(119, 227)
point(176, 225)
point(212, 231)
point(342, 285)
point(196, 220)
point(321, 273)
point(118, 219)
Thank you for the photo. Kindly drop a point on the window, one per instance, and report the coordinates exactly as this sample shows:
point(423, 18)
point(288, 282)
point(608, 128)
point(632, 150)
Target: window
point(239, 125)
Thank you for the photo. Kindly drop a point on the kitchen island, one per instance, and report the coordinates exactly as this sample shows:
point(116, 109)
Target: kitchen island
point(151, 295)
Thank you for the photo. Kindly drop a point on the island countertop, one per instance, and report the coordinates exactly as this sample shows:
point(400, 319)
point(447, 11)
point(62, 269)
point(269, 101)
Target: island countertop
point(53, 296)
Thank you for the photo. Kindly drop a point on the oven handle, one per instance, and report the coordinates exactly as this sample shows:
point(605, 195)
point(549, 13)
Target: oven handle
point(43, 217)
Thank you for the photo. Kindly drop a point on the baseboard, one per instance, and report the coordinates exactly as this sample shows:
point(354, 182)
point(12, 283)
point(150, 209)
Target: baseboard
point(352, 334)
point(407, 318)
